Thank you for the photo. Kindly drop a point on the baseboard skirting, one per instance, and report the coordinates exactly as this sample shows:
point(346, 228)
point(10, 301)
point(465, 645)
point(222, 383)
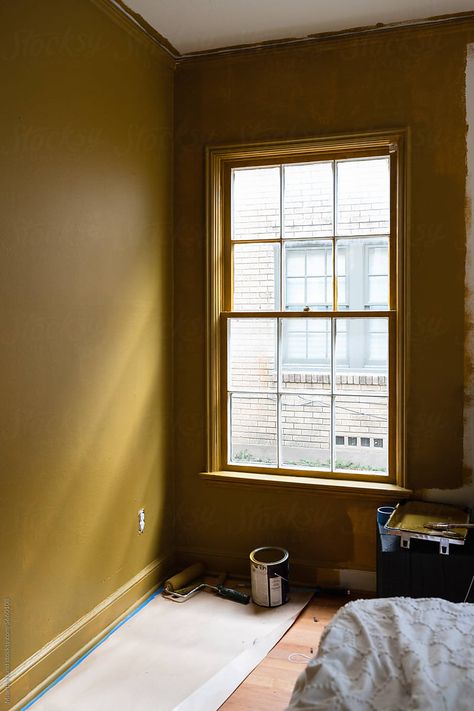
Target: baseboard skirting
point(37, 672)
point(302, 572)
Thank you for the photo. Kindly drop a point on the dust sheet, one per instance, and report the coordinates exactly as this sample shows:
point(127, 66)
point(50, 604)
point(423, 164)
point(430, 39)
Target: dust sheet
point(185, 656)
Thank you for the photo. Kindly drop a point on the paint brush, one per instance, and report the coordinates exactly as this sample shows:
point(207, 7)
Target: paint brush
point(436, 526)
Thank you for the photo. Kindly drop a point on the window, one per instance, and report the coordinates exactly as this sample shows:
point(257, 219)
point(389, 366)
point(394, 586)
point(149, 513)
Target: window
point(305, 309)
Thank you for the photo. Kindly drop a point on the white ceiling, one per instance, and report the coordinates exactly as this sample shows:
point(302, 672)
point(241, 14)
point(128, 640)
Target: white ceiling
point(193, 25)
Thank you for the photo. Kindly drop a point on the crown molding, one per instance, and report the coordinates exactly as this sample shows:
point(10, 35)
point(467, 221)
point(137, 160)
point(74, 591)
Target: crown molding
point(135, 23)
point(137, 26)
point(354, 32)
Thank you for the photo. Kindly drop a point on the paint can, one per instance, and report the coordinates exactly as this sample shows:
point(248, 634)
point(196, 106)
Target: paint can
point(269, 568)
point(384, 513)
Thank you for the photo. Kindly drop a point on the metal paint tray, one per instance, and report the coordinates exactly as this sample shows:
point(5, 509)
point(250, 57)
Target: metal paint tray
point(409, 517)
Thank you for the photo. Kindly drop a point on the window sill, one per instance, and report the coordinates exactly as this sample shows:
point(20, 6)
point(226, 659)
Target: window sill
point(335, 487)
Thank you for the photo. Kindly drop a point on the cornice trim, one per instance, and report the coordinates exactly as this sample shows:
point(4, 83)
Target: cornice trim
point(140, 26)
point(135, 23)
point(379, 28)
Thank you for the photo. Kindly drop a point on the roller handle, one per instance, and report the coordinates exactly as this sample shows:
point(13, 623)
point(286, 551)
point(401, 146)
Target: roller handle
point(233, 595)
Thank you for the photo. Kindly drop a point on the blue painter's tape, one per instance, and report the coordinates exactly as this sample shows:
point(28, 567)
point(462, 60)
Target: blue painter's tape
point(84, 656)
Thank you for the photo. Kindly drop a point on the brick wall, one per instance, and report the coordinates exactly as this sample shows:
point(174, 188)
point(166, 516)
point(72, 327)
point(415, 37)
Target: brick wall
point(305, 429)
point(362, 204)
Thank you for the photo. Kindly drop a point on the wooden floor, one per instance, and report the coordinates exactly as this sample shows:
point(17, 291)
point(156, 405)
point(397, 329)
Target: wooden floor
point(269, 686)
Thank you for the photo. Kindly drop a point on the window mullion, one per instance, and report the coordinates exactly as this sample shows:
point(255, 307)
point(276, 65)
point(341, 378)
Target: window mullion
point(278, 404)
point(282, 188)
point(279, 322)
point(334, 200)
point(333, 376)
point(333, 321)
point(229, 427)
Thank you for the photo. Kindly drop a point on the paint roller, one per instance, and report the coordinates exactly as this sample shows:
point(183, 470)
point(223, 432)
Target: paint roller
point(177, 588)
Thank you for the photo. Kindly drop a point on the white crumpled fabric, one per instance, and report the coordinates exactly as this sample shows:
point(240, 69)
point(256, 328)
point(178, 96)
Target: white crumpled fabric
point(392, 654)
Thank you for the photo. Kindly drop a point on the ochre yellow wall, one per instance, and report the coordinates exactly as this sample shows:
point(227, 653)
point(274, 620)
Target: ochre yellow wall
point(401, 79)
point(86, 273)
point(85, 293)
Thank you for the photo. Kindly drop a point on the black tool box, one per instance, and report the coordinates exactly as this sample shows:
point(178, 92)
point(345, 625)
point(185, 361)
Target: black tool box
point(421, 571)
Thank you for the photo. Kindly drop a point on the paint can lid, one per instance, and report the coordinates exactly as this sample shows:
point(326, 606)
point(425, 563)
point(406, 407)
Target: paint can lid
point(269, 555)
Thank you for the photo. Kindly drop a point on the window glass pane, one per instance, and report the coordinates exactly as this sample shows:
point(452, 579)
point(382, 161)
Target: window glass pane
point(341, 293)
point(362, 355)
point(378, 290)
point(363, 196)
point(256, 203)
point(295, 263)
point(253, 429)
point(307, 275)
point(377, 260)
point(306, 354)
point(317, 290)
point(305, 422)
point(357, 287)
point(377, 342)
point(295, 293)
point(342, 355)
point(317, 260)
point(308, 200)
point(256, 277)
point(252, 354)
point(377, 347)
point(341, 261)
point(341, 277)
point(358, 417)
point(296, 347)
point(319, 340)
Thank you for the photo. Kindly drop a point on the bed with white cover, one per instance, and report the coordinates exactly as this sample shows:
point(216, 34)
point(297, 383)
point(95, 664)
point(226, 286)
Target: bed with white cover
point(392, 654)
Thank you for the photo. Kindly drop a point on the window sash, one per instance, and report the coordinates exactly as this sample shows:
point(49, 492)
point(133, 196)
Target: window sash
point(334, 394)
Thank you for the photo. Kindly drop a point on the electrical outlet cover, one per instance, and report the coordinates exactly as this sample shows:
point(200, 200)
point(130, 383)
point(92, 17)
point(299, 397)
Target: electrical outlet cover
point(141, 520)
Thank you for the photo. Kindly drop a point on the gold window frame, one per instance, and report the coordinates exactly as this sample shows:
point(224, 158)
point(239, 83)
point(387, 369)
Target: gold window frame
point(219, 163)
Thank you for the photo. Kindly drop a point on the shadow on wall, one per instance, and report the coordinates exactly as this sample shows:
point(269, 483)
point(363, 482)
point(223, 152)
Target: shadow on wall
point(93, 452)
point(320, 532)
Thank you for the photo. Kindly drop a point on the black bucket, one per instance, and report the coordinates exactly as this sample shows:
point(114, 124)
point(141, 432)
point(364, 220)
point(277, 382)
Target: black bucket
point(269, 568)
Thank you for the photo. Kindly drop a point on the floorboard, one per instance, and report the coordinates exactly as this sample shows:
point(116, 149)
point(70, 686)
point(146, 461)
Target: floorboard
point(269, 686)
